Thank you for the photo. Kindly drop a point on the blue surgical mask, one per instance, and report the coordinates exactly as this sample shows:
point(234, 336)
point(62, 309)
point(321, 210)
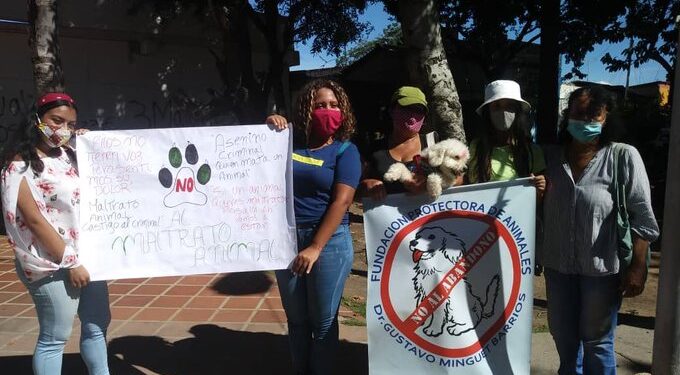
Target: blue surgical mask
point(584, 131)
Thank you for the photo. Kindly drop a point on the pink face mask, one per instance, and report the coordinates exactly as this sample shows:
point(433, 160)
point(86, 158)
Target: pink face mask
point(407, 118)
point(325, 122)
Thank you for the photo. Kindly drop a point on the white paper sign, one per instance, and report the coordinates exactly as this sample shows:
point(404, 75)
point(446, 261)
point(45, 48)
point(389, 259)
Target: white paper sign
point(450, 282)
point(163, 202)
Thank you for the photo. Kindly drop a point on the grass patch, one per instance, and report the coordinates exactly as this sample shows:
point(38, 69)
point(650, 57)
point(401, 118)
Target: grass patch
point(356, 304)
point(541, 328)
point(351, 321)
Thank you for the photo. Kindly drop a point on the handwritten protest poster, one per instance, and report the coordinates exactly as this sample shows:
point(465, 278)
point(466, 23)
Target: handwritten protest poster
point(450, 282)
point(162, 202)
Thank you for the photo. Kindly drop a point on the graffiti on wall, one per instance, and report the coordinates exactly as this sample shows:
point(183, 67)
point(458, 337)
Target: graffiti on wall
point(124, 113)
point(14, 109)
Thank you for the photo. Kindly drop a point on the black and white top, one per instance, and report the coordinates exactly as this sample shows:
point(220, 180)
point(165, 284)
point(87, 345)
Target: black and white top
point(381, 160)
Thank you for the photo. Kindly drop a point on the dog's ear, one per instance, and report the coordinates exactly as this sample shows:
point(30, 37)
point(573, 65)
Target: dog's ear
point(435, 156)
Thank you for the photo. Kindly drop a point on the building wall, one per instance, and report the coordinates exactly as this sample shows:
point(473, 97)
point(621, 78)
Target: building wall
point(121, 74)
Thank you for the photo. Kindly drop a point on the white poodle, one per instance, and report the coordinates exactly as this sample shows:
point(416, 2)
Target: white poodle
point(446, 160)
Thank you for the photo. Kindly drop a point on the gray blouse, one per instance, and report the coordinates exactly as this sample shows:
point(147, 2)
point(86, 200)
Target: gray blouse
point(579, 226)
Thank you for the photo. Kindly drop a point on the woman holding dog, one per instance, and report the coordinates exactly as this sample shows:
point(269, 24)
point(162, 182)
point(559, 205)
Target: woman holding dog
point(408, 108)
point(40, 202)
point(585, 273)
point(326, 172)
point(503, 149)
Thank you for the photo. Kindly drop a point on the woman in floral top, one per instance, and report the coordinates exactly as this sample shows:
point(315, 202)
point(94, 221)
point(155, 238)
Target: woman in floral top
point(40, 202)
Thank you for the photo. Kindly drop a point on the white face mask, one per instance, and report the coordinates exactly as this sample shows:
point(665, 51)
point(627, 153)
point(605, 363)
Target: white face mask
point(502, 120)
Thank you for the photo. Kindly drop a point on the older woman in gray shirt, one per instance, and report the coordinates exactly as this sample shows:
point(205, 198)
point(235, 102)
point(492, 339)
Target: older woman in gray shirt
point(584, 280)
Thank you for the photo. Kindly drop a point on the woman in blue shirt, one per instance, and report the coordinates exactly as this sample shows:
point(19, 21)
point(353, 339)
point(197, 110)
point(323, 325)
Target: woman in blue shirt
point(326, 172)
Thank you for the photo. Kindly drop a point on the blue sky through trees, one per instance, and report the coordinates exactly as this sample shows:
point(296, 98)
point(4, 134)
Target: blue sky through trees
point(592, 66)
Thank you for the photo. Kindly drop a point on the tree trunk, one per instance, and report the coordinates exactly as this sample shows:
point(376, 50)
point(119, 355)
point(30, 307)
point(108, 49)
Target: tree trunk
point(44, 43)
point(666, 351)
point(428, 66)
point(549, 71)
point(276, 50)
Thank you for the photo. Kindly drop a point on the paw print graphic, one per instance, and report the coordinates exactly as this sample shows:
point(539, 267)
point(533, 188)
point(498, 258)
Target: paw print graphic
point(184, 186)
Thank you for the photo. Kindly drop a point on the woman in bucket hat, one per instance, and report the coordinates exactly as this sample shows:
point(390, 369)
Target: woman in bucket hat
point(408, 108)
point(503, 150)
point(40, 204)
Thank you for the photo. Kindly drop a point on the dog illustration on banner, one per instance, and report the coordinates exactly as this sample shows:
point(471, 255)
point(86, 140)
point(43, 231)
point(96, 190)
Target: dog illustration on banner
point(435, 251)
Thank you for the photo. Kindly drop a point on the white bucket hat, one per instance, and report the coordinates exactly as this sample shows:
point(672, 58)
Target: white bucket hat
point(502, 89)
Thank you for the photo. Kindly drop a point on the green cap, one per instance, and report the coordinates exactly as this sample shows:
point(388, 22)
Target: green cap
point(409, 95)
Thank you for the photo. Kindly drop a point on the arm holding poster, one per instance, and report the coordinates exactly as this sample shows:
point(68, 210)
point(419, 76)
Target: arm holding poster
point(41, 203)
point(326, 172)
point(183, 201)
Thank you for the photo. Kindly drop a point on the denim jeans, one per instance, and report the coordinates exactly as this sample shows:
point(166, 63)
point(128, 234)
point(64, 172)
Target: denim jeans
point(312, 301)
point(56, 303)
point(582, 315)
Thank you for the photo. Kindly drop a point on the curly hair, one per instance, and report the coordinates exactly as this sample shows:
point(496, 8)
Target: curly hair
point(305, 106)
point(599, 99)
point(520, 144)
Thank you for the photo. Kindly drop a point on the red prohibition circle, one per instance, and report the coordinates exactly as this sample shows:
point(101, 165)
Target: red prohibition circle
point(507, 312)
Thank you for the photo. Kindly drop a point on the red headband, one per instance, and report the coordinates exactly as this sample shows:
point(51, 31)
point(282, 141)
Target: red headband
point(53, 97)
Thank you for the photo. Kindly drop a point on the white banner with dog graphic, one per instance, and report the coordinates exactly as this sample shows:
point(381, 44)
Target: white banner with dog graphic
point(165, 202)
point(450, 288)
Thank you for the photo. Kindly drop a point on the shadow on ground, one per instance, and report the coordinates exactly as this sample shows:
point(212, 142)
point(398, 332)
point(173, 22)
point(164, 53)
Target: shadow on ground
point(626, 319)
point(212, 350)
point(354, 218)
point(243, 283)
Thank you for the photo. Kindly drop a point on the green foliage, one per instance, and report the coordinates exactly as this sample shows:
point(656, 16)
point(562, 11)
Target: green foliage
point(486, 30)
point(391, 36)
point(583, 24)
point(649, 25)
point(329, 24)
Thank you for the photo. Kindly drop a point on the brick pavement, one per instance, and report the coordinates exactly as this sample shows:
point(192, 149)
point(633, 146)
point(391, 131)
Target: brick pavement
point(200, 324)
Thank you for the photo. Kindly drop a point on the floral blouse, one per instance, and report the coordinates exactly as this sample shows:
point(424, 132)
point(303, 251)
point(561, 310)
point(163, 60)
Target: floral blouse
point(57, 194)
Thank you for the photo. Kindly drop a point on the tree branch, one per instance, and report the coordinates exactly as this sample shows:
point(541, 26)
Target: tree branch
point(290, 31)
point(518, 44)
point(656, 56)
point(534, 38)
point(252, 15)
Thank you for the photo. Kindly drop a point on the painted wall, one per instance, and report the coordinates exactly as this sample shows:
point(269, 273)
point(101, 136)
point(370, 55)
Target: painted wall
point(121, 74)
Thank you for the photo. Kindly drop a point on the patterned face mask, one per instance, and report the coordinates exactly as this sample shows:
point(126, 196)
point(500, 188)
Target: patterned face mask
point(54, 137)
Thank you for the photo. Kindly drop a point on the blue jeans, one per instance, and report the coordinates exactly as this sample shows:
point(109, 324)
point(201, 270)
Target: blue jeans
point(56, 303)
point(312, 301)
point(582, 315)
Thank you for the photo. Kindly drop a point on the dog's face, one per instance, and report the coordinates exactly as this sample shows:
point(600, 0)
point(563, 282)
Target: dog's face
point(430, 240)
point(450, 156)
